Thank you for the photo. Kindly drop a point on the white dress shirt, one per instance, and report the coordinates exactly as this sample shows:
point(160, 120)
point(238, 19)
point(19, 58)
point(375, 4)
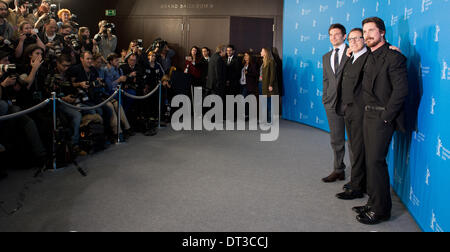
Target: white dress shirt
point(341, 54)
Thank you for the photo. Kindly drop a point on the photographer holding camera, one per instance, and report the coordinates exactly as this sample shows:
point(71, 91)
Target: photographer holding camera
point(53, 41)
point(27, 37)
point(84, 77)
point(66, 17)
point(111, 107)
point(23, 12)
point(71, 44)
point(106, 40)
point(57, 81)
point(6, 29)
point(21, 133)
point(164, 54)
point(87, 44)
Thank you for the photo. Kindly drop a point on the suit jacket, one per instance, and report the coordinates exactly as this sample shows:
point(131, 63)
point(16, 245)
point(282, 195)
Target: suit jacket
point(331, 80)
point(353, 76)
point(234, 72)
point(204, 71)
point(216, 73)
point(388, 84)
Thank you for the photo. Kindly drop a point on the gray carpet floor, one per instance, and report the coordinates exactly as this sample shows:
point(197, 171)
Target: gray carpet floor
point(194, 182)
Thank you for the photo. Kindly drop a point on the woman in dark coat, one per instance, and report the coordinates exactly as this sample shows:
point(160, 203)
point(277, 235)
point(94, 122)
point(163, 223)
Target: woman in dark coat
point(249, 76)
point(268, 80)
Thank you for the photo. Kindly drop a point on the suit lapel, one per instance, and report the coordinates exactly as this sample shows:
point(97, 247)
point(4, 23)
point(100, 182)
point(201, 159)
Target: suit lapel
point(343, 62)
point(327, 65)
point(378, 66)
point(362, 62)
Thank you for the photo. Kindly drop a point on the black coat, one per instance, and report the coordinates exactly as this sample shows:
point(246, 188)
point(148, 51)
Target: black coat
point(387, 82)
point(216, 73)
point(252, 77)
point(133, 82)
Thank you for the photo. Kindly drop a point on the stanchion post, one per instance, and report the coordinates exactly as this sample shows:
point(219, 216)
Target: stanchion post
point(54, 130)
point(159, 112)
point(119, 106)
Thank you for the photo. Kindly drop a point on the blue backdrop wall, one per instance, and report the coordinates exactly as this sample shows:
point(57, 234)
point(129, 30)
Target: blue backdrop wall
point(419, 161)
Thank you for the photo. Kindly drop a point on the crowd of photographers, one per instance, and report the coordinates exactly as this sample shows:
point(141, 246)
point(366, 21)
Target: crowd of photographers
point(43, 51)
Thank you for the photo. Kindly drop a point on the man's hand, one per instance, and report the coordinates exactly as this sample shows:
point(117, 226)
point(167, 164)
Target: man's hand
point(133, 74)
point(122, 79)
point(270, 88)
point(395, 48)
point(69, 99)
point(349, 52)
point(8, 82)
point(22, 37)
point(84, 85)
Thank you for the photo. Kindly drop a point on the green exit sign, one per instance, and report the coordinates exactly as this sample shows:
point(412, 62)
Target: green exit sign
point(111, 13)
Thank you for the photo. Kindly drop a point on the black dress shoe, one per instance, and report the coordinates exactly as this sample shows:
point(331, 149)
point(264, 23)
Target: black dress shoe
point(371, 218)
point(350, 195)
point(361, 209)
point(334, 177)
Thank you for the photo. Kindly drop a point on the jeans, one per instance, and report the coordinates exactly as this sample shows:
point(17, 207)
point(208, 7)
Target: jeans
point(93, 111)
point(75, 118)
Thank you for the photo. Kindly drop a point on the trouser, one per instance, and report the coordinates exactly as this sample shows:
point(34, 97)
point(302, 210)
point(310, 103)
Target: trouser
point(75, 119)
point(337, 137)
point(269, 103)
point(113, 105)
point(354, 117)
point(378, 136)
point(92, 111)
point(26, 126)
point(245, 93)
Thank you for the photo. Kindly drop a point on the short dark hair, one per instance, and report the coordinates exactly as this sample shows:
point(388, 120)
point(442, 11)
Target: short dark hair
point(356, 29)
point(64, 58)
point(66, 26)
point(83, 54)
point(112, 57)
point(29, 50)
point(338, 26)
point(231, 46)
point(378, 22)
point(5, 3)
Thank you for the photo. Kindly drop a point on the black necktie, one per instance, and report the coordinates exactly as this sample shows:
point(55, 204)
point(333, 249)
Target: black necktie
point(336, 61)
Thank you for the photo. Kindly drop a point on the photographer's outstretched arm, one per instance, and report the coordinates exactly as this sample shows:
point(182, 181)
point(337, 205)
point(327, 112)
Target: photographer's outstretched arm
point(40, 43)
point(19, 48)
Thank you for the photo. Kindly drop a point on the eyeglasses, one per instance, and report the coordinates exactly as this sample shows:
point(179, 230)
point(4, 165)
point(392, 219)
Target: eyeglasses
point(3, 9)
point(357, 39)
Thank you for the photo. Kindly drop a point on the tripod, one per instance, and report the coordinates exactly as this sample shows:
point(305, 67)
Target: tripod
point(68, 151)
